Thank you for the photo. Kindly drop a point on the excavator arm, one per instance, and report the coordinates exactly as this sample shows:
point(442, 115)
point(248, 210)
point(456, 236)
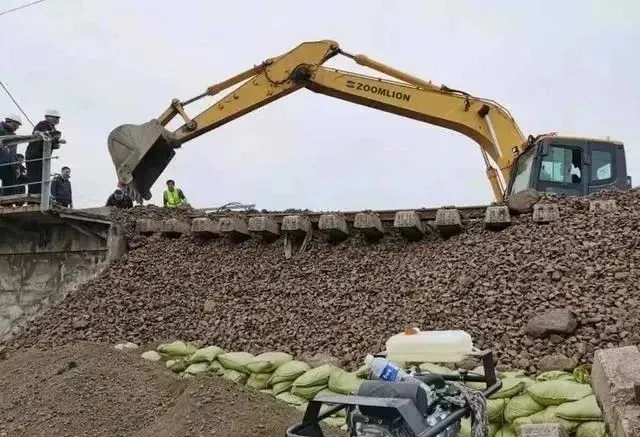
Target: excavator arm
point(140, 153)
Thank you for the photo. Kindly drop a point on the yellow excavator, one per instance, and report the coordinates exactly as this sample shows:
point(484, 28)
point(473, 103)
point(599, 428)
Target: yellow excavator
point(546, 163)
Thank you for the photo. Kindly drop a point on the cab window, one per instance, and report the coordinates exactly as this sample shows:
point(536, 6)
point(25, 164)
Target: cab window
point(524, 165)
point(562, 165)
point(601, 166)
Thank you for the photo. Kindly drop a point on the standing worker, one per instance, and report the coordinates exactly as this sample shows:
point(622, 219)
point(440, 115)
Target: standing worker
point(173, 196)
point(61, 188)
point(8, 155)
point(34, 153)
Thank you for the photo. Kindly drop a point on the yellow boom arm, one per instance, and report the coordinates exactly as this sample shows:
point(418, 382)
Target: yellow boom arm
point(141, 153)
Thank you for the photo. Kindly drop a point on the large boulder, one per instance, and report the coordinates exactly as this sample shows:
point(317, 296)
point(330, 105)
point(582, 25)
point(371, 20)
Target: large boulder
point(522, 202)
point(556, 321)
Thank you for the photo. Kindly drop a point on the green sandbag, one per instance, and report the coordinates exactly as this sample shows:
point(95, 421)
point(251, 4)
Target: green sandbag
point(546, 416)
point(268, 362)
point(281, 387)
point(510, 387)
point(363, 371)
point(465, 428)
point(314, 377)
point(495, 408)
point(558, 392)
point(216, 367)
point(583, 410)
point(197, 368)
point(436, 369)
point(480, 385)
point(206, 354)
point(336, 422)
point(345, 383)
point(301, 407)
point(235, 361)
point(258, 380)
point(289, 371)
point(521, 406)
point(235, 376)
point(307, 393)
point(176, 365)
point(291, 399)
point(506, 431)
point(177, 348)
point(514, 374)
point(553, 375)
point(267, 391)
point(591, 429)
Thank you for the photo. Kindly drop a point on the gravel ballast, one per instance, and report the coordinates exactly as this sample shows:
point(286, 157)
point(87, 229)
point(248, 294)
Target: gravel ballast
point(346, 299)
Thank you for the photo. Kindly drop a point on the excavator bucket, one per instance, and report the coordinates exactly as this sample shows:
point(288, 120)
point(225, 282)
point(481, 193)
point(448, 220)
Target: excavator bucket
point(140, 154)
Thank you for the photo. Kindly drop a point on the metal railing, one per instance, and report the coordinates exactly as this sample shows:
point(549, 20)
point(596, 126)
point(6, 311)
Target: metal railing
point(47, 141)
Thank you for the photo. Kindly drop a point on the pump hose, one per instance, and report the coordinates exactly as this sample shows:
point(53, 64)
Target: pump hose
point(477, 404)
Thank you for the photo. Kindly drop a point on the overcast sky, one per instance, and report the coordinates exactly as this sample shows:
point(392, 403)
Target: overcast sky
point(565, 66)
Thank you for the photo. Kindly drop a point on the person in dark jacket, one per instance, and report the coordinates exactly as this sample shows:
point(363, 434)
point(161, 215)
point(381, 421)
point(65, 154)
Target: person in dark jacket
point(35, 149)
point(61, 188)
point(21, 175)
point(8, 154)
point(119, 199)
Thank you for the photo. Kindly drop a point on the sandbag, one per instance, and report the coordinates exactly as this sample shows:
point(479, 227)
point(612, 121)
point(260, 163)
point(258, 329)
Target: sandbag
point(495, 408)
point(289, 371)
point(546, 416)
point(235, 361)
point(258, 381)
point(291, 399)
point(521, 406)
point(281, 387)
point(480, 385)
point(553, 375)
point(363, 371)
point(591, 429)
point(336, 422)
point(558, 392)
point(583, 410)
point(514, 374)
point(151, 356)
point(206, 354)
point(506, 431)
point(267, 391)
point(510, 387)
point(465, 428)
point(267, 362)
point(177, 348)
point(436, 369)
point(345, 383)
point(197, 368)
point(307, 392)
point(315, 377)
point(235, 376)
point(176, 365)
point(216, 367)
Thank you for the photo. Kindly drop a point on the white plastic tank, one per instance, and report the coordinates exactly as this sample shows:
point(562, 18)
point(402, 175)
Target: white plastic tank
point(417, 346)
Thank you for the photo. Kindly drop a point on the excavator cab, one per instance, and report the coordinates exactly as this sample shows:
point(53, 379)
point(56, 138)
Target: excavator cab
point(571, 166)
point(140, 153)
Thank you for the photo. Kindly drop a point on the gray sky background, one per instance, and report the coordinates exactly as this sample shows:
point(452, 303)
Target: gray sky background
point(566, 66)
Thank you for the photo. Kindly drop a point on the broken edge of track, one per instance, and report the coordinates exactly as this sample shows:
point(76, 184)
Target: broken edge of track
point(338, 226)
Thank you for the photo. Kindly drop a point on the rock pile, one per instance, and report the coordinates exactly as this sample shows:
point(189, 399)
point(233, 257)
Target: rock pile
point(347, 299)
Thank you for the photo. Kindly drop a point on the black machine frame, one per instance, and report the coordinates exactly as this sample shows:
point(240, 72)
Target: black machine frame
point(310, 425)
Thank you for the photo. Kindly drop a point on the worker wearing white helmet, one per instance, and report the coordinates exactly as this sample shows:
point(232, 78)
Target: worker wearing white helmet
point(35, 149)
point(8, 155)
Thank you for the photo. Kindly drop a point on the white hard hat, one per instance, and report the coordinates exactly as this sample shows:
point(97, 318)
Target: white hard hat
point(51, 113)
point(14, 117)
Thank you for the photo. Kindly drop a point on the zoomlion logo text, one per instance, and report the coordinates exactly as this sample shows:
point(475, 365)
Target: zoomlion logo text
point(381, 91)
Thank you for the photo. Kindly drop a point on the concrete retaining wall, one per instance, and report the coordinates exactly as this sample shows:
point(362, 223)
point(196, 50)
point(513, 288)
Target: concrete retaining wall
point(44, 257)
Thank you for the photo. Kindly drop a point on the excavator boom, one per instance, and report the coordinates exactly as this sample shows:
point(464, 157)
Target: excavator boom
point(140, 153)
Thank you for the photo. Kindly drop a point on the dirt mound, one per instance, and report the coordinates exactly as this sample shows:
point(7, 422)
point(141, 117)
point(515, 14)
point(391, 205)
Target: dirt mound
point(347, 299)
point(93, 390)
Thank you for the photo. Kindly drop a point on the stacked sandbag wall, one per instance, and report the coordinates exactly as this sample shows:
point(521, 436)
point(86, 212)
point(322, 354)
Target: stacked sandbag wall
point(550, 397)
